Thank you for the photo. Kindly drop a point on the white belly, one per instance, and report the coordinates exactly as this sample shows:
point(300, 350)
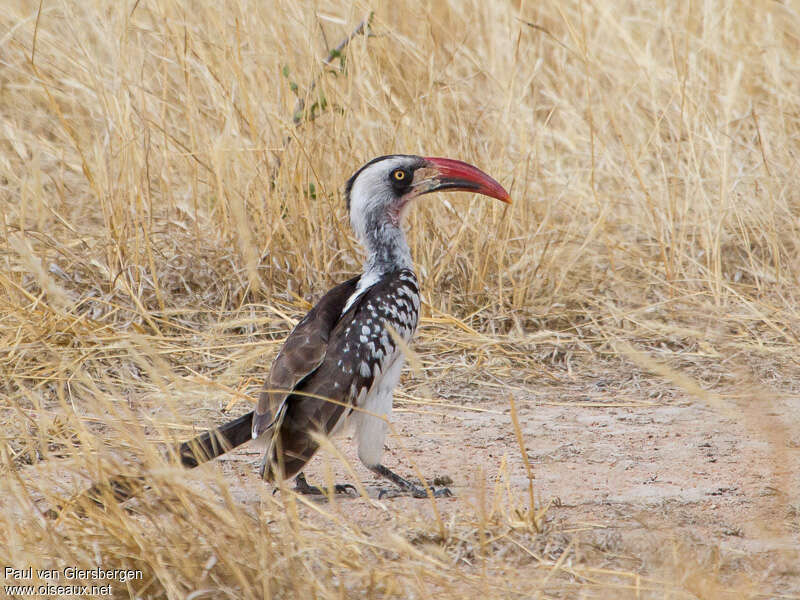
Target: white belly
point(371, 421)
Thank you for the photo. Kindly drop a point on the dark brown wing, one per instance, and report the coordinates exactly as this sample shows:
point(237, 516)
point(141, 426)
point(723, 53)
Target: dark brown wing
point(360, 349)
point(302, 352)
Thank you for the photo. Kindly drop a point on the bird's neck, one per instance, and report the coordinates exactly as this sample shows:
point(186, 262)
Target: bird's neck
point(387, 249)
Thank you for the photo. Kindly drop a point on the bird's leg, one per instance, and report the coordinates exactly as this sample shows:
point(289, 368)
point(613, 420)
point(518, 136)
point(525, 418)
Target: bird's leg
point(406, 486)
point(301, 486)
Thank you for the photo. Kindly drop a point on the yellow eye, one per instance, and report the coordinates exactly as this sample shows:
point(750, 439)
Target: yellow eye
point(399, 175)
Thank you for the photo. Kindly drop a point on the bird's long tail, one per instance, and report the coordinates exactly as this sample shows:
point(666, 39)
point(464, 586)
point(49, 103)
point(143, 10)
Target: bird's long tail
point(215, 442)
point(192, 453)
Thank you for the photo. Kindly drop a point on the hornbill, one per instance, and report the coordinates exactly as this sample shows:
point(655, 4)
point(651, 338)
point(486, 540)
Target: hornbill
point(343, 360)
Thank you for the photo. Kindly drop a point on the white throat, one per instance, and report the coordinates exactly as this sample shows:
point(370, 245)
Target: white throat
point(380, 233)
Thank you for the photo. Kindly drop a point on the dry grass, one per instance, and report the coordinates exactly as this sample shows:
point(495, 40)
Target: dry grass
point(164, 219)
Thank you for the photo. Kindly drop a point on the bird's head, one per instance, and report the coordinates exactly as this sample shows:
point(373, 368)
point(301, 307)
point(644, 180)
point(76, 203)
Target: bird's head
point(379, 193)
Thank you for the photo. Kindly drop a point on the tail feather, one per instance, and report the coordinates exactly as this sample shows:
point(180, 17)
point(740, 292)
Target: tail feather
point(192, 453)
point(215, 442)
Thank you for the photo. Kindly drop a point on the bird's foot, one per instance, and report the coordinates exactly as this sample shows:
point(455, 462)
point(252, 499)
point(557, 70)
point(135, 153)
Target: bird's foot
point(409, 488)
point(415, 491)
point(301, 486)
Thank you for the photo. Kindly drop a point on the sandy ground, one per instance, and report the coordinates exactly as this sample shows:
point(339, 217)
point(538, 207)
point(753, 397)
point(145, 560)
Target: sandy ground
point(634, 471)
point(640, 477)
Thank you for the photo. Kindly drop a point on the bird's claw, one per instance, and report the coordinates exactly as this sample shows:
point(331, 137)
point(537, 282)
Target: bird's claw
point(440, 493)
point(415, 492)
point(344, 488)
point(301, 486)
point(313, 490)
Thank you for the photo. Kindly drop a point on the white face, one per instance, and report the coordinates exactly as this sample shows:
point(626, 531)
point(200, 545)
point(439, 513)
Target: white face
point(373, 196)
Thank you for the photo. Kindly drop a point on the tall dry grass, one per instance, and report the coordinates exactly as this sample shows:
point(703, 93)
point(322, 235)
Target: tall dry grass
point(169, 196)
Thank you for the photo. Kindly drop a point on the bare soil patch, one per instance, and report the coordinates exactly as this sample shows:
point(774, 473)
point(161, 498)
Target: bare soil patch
point(641, 474)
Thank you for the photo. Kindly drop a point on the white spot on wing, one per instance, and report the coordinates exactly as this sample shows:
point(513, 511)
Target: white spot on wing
point(364, 283)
